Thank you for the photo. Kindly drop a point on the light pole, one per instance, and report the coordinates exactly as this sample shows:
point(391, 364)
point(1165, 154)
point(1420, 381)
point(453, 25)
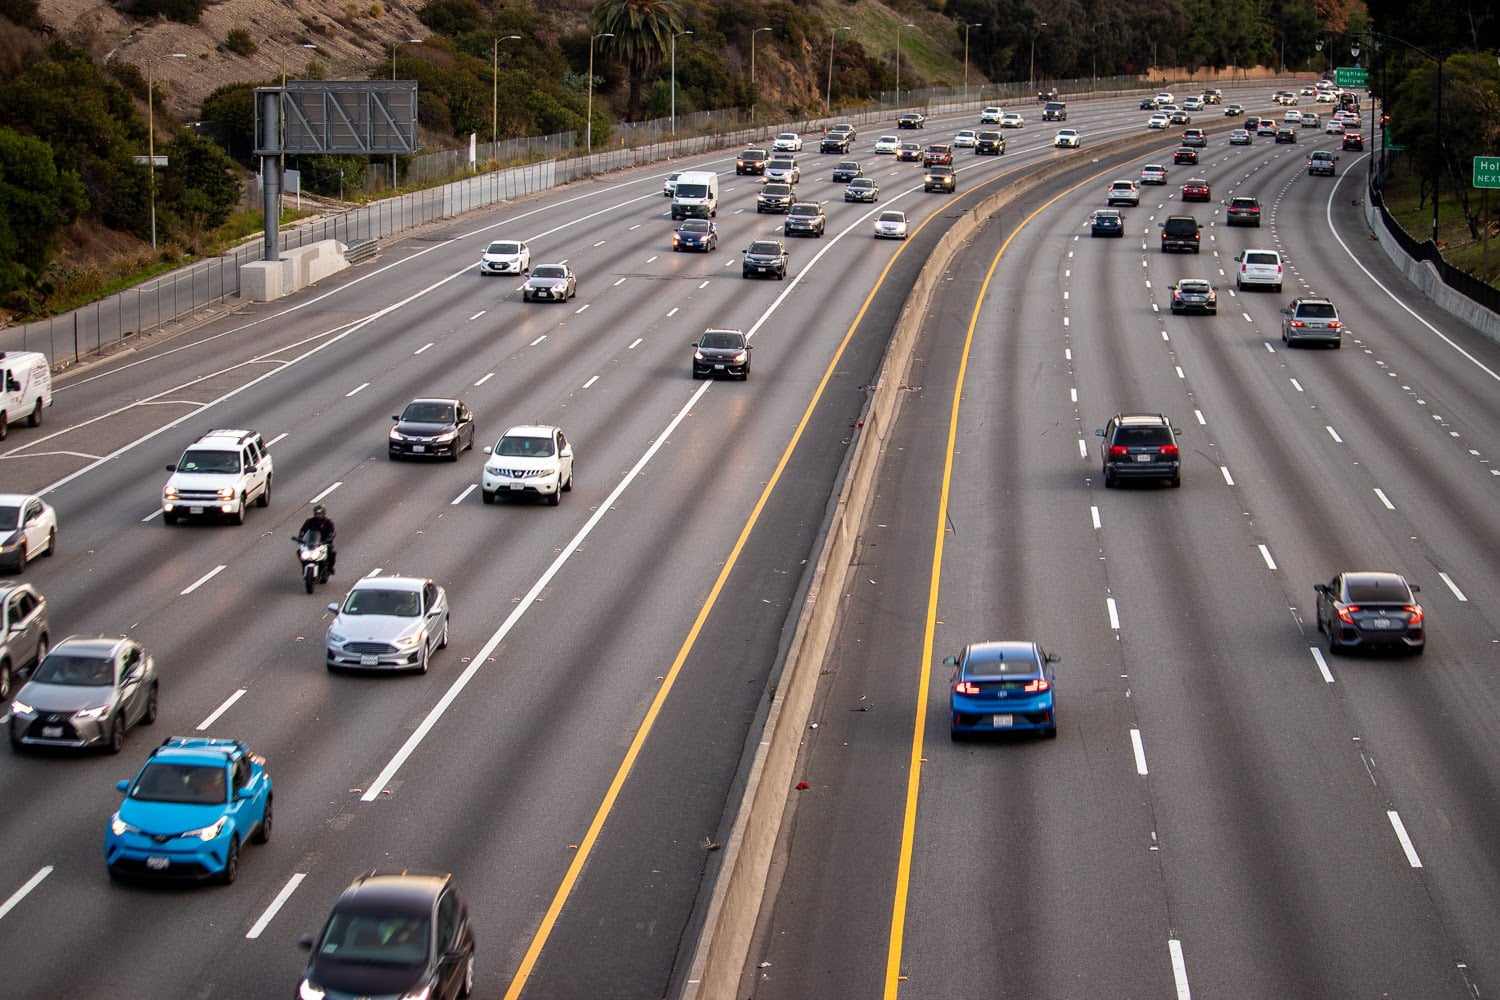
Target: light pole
point(898, 62)
point(753, 94)
point(828, 97)
point(588, 125)
point(1437, 130)
point(151, 133)
point(394, 47)
point(495, 91)
point(966, 59)
point(1038, 31)
point(674, 78)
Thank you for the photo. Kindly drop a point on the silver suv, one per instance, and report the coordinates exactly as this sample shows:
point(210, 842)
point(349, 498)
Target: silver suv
point(24, 634)
point(218, 476)
point(1312, 321)
point(1258, 267)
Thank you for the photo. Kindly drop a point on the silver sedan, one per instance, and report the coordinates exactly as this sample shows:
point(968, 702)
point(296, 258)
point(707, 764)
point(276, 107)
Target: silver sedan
point(388, 623)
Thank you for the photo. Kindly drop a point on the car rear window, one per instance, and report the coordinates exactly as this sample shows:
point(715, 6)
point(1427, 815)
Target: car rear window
point(1142, 437)
point(1261, 258)
point(1377, 591)
point(994, 664)
point(1317, 310)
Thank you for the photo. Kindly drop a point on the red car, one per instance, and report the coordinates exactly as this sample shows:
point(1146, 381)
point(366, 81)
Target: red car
point(938, 154)
point(1196, 189)
point(1353, 140)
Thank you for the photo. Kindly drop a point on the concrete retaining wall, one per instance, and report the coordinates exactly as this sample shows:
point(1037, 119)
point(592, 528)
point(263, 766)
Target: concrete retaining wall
point(1426, 277)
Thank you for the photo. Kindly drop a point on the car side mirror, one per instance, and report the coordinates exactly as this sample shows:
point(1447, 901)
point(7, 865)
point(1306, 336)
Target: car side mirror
point(123, 786)
point(1053, 658)
point(1176, 430)
point(244, 793)
point(1414, 588)
point(395, 416)
point(305, 942)
point(1321, 588)
point(334, 608)
point(488, 450)
point(171, 468)
point(1286, 312)
point(950, 661)
point(1099, 432)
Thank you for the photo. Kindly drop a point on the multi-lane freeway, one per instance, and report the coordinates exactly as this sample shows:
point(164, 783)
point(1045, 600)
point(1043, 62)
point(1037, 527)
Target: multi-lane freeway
point(1224, 807)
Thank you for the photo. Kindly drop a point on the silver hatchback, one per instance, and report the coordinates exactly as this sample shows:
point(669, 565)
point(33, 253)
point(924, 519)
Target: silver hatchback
point(1311, 321)
point(388, 623)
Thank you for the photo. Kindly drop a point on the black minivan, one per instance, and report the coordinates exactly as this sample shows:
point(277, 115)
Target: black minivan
point(1140, 446)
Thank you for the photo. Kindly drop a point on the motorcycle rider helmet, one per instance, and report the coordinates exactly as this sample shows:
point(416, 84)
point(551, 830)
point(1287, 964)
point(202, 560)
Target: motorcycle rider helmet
point(319, 510)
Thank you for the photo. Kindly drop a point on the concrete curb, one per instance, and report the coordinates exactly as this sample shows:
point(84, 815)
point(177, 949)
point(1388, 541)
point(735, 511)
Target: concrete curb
point(723, 948)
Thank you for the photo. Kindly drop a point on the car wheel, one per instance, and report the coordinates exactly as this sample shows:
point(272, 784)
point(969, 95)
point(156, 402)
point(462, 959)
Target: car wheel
point(1334, 649)
point(231, 863)
point(35, 420)
point(1109, 480)
point(466, 988)
point(238, 517)
point(149, 716)
point(554, 498)
point(567, 487)
point(1175, 482)
point(21, 556)
point(1418, 650)
point(487, 496)
point(443, 642)
point(262, 834)
point(5, 675)
point(1277, 289)
point(116, 736)
point(4, 425)
point(42, 645)
point(1050, 733)
point(1336, 345)
point(425, 661)
point(51, 543)
point(168, 518)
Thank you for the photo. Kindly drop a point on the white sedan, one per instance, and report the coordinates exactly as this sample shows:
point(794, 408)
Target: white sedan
point(967, 138)
point(1012, 119)
point(887, 144)
point(505, 257)
point(891, 226)
point(787, 142)
point(28, 528)
point(1158, 121)
point(1334, 127)
point(1067, 138)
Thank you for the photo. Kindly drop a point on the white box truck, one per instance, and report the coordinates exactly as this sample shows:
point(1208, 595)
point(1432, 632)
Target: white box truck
point(697, 194)
point(25, 388)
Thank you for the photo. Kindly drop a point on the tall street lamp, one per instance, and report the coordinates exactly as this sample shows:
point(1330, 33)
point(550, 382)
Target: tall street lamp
point(588, 125)
point(966, 59)
point(753, 94)
point(1038, 31)
point(394, 46)
point(1437, 130)
point(898, 62)
point(495, 90)
point(828, 97)
point(151, 133)
point(674, 78)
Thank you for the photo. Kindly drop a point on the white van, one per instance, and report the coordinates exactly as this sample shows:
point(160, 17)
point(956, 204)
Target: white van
point(25, 388)
point(696, 194)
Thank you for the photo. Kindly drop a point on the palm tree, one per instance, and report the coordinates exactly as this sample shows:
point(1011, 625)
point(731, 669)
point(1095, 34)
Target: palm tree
point(643, 31)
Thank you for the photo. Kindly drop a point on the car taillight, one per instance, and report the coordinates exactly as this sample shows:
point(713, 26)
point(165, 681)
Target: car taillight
point(1195, 236)
point(1296, 324)
point(1334, 324)
point(1037, 686)
point(966, 687)
point(1118, 451)
point(1415, 612)
point(1168, 449)
point(1278, 268)
point(1346, 615)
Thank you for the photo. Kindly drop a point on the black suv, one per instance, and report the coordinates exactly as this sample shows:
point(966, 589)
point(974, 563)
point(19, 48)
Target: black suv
point(989, 143)
point(1140, 446)
point(722, 352)
point(834, 142)
point(751, 161)
point(939, 178)
point(1180, 232)
point(805, 217)
point(774, 197)
point(393, 934)
point(1243, 211)
point(765, 257)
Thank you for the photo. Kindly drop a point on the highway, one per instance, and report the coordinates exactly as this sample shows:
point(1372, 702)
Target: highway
point(1228, 810)
point(574, 754)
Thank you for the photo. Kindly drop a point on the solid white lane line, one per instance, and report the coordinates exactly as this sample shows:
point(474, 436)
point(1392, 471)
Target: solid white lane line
point(1317, 655)
point(581, 308)
point(618, 283)
point(635, 343)
point(154, 513)
point(278, 438)
point(485, 379)
point(1333, 433)
point(673, 312)
point(276, 905)
point(357, 389)
point(1140, 750)
point(1297, 385)
point(203, 579)
point(1114, 613)
point(477, 315)
point(1452, 586)
point(1265, 554)
point(1228, 479)
point(1179, 970)
point(1384, 499)
point(463, 496)
point(424, 347)
point(1094, 513)
point(1083, 448)
point(325, 493)
point(1406, 844)
point(214, 715)
point(591, 381)
point(20, 893)
point(537, 340)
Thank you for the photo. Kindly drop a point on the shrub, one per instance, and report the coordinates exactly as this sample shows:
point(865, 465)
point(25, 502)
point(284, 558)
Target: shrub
point(240, 43)
point(183, 11)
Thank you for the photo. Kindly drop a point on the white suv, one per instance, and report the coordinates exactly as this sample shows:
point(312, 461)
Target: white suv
point(218, 475)
point(1123, 193)
point(1258, 267)
point(528, 460)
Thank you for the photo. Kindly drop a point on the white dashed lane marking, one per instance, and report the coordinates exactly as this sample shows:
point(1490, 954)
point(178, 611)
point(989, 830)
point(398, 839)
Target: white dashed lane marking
point(214, 715)
point(202, 580)
point(276, 905)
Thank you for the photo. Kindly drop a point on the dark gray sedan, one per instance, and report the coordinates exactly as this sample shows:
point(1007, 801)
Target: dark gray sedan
point(722, 352)
point(1369, 609)
point(846, 171)
point(436, 428)
point(862, 189)
point(87, 691)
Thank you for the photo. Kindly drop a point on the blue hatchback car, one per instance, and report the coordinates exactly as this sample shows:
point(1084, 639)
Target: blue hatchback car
point(1002, 687)
point(189, 810)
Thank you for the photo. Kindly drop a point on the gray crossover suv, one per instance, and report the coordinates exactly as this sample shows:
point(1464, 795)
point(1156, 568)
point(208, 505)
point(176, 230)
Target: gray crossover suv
point(1311, 321)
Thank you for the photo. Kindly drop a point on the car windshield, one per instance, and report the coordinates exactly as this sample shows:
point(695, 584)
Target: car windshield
point(10, 516)
point(1142, 437)
point(376, 938)
point(428, 413)
point(848, 165)
point(504, 249)
point(996, 663)
point(76, 671)
point(1316, 310)
point(753, 154)
point(1243, 203)
point(892, 217)
point(694, 226)
point(861, 182)
point(788, 136)
point(191, 784)
point(1387, 591)
point(692, 190)
point(804, 210)
point(370, 601)
point(518, 446)
point(776, 189)
point(722, 340)
point(765, 248)
point(547, 271)
point(213, 462)
point(781, 164)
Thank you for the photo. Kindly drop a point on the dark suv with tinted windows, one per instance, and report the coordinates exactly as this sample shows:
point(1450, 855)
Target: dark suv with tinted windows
point(751, 161)
point(805, 217)
point(989, 143)
point(1140, 446)
point(1243, 211)
point(1180, 232)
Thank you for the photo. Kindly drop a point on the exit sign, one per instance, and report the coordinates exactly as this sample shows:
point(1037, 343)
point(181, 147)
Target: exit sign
point(1487, 171)
point(1351, 76)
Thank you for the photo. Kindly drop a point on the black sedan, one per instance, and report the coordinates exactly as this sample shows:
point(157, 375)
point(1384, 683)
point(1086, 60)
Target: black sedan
point(696, 234)
point(435, 428)
point(722, 352)
point(1370, 610)
point(911, 120)
point(1185, 154)
point(846, 171)
point(1107, 222)
point(765, 257)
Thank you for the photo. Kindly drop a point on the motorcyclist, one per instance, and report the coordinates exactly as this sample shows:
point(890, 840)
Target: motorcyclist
point(323, 525)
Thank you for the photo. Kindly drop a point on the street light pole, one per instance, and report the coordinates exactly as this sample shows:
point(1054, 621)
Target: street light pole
point(966, 60)
point(1039, 27)
point(151, 134)
point(828, 97)
point(674, 79)
point(898, 62)
point(394, 46)
point(588, 125)
point(495, 92)
point(753, 94)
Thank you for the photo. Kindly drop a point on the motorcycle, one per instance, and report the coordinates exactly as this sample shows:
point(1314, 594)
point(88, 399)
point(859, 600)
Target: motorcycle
point(312, 553)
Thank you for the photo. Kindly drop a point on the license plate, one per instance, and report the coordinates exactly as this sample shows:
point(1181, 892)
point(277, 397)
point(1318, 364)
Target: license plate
point(158, 864)
point(1143, 458)
point(1381, 623)
point(52, 732)
point(195, 510)
point(718, 367)
point(369, 660)
point(419, 447)
point(516, 486)
point(1002, 721)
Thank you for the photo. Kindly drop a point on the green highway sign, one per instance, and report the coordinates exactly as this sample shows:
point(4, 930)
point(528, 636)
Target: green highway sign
point(1351, 76)
point(1487, 171)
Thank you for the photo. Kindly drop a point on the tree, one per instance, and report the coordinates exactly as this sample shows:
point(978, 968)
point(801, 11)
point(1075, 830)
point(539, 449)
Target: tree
point(198, 189)
point(36, 200)
point(643, 31)
point(229, 116)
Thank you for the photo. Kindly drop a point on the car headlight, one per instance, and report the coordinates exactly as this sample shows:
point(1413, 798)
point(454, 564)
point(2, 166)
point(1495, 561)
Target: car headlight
point(445, 436)
point(209, 832)
point(337, 638)
point(697, 355)
point(169, 494)
point(119, 827)
point(411, 640)
point(226, 493)
point(396, 436)
point(741, 357)
point(307, 991)
point(92, 713)
point(21, 708)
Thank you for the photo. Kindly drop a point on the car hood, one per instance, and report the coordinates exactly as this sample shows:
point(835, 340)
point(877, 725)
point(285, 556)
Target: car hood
point(720, 352)
point(374, 628)
point(414, 428)
point(169, 817)
point(204, 480)
point(762, 258)
point(691, 235)
point(525, 463)
point(366, 981)
point(9, 537)
point(63, 697)
point(499, 257)
point(542, 282)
